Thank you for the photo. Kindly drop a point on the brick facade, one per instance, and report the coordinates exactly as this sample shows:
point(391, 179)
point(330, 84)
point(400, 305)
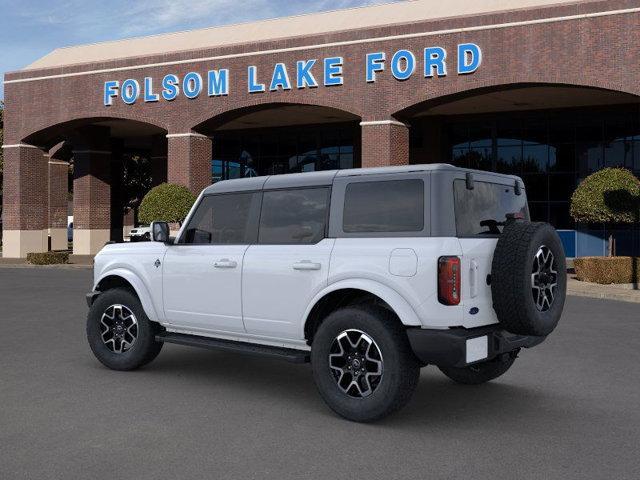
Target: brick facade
point(589, 44)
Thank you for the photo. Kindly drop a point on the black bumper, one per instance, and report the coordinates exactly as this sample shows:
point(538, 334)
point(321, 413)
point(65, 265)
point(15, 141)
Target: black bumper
point(448, 348)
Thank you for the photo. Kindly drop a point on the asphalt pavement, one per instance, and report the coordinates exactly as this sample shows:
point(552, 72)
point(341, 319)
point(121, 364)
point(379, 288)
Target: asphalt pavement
point(568, 409)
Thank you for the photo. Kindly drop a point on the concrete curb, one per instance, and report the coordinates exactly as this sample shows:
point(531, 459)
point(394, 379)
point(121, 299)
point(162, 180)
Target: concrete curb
point(623, 293)
point(63, 266)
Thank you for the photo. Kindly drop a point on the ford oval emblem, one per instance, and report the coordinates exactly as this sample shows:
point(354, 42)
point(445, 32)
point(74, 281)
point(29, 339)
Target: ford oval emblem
point(474, 310)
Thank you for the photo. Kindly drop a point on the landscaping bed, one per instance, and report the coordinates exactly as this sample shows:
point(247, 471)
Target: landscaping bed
point(607, 270)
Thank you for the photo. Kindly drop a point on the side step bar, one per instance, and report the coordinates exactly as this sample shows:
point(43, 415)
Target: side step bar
point(288, 354)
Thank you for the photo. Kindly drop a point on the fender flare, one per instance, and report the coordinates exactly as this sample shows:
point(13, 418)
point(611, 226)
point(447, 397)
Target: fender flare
point(399, 305)
point(138, 285)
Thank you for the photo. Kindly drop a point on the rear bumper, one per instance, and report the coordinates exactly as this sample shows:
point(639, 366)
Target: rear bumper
point(459, 347)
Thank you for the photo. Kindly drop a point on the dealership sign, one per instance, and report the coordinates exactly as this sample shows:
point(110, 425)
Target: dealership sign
point(309, 73)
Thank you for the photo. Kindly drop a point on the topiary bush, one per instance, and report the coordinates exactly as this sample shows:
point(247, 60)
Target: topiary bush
point(167, 202)
point(611, 195)
point(48, 258)
point(606, 270)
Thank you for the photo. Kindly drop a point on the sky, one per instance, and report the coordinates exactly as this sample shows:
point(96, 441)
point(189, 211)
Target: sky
point(29, 29)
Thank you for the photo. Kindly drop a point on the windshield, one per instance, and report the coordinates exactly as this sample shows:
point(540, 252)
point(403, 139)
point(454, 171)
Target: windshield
point(484, 210)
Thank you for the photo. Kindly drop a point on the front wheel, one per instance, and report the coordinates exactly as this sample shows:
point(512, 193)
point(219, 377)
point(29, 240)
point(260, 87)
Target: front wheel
point(480, 372)
point(362, 363)
point(119, 333)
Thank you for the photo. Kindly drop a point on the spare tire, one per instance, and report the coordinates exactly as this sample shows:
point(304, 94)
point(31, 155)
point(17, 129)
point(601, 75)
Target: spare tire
point(529, 278)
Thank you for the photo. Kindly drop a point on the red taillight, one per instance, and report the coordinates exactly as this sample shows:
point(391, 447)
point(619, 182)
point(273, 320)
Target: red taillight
point(449, 280)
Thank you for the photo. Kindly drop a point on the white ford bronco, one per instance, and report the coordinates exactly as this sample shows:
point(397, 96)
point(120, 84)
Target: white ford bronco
point(369, 274)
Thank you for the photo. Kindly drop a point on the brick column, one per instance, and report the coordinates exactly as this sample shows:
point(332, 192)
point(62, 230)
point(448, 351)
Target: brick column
point(189, 160)
point(58, 191)
point(384, 143)
point(91, 200)
point(25, 212)
point(158, 160)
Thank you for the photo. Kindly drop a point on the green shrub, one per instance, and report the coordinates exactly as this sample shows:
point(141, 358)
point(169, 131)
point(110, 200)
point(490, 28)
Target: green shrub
point(167, 202)
point(611, 195)
point(606, 270)
point(48, 258)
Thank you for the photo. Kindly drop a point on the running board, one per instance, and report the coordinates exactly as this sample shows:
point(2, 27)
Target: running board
point(288, 354)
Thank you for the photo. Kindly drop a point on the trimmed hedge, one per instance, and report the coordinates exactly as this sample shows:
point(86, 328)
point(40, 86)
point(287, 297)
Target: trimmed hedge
point(166, 202)
point(48, 258)
point(606, 270)
point(611, 195)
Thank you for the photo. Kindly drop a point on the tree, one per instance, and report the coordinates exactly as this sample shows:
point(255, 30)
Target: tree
point(168, 202)
point(611, 195)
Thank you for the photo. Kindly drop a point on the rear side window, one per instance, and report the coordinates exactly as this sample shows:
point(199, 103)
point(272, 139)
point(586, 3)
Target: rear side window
point(297, 216)
point(385, 206)
point(224, 219)
point(483, 210)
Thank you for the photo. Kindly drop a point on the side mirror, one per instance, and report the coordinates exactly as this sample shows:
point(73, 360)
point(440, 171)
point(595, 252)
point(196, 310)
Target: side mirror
point(160, 231)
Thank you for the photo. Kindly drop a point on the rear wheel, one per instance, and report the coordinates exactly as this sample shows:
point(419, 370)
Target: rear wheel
point(480, 372)
point(119, 333)
point(362, 363)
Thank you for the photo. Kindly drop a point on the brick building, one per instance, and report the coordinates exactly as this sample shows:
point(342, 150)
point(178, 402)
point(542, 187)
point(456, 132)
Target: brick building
point(546, 89)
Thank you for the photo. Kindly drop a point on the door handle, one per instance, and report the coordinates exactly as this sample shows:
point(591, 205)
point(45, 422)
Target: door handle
point(225, 263)
point(473, 278)
point(306, 265)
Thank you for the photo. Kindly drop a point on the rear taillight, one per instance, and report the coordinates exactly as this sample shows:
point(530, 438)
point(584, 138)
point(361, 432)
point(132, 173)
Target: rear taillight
point(449, 280)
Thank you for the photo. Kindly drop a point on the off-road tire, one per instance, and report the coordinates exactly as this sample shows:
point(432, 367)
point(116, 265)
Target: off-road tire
point(511, 278)
point(144, 349)
point(400, 368)
point(480, 372)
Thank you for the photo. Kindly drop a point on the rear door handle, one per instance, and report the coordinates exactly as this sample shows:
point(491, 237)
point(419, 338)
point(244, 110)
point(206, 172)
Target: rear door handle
point(225, 263)
point(473, 278)
point(306, 265)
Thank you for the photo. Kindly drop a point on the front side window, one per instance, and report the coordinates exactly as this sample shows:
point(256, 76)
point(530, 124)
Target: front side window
point(484, 210)
point(296, 216)
point(224, 219)
point(384, 206)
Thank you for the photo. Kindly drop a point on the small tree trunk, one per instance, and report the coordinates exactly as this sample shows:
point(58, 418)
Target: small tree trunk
point(611, 246)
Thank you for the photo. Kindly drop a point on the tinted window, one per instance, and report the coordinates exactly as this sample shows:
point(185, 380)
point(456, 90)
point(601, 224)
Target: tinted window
point(224, 219)
point(483, 210)
point(294, 216)
point(389, 206)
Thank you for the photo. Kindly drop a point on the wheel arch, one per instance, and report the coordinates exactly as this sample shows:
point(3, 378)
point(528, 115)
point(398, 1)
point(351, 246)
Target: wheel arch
point(122, 278)
point(356, 291)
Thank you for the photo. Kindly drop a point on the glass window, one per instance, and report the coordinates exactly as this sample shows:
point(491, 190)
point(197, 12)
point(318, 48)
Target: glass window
point(224, 219)
point(296, 216)
point(388, 206)
point(483, 210)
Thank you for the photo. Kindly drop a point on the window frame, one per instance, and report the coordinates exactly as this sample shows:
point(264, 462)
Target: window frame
point(180, 240)
point(336, 226)
point(325, 232)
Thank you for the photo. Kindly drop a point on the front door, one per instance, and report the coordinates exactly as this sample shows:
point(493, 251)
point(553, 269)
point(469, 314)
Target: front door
point(202, 274)
point(290, 263)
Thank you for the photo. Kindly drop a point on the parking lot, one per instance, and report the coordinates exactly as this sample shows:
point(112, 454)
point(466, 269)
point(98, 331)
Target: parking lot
point(568, 409)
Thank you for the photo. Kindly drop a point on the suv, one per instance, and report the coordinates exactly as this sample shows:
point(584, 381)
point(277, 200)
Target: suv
point(369, 274)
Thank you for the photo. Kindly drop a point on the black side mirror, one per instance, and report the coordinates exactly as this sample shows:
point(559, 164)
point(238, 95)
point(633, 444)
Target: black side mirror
point(160, 231)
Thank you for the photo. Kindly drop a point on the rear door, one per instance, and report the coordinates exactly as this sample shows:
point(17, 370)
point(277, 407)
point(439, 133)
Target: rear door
point(290, 263)
point(202, 275)
point(480, 215)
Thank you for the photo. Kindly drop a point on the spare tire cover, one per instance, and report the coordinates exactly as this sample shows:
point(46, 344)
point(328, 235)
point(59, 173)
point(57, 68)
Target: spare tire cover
point(529, 278)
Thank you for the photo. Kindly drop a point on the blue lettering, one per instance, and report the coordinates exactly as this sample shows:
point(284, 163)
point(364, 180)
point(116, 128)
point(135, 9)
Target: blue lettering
point(192, 85)
point(403, 64)
point(170, 87)
point(130, 91)
point(110, 92)
point(280, 78)
point(469, 58)
point(333, 71)
point(218, 82)
point(149, 96)
point(375, 63)
point(254, 87)
point(434, 58)
point(304, 77)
